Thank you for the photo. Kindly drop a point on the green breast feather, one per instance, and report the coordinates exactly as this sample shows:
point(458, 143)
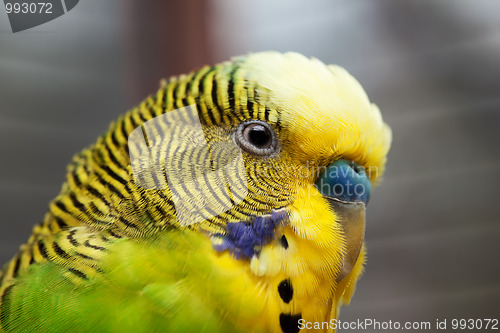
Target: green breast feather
point(136, 292)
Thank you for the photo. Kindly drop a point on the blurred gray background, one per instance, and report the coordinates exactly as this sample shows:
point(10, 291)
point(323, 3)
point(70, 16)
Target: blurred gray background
point(433, 68)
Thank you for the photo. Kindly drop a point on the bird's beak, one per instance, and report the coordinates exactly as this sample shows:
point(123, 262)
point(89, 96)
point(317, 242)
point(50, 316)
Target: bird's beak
point(352, 220)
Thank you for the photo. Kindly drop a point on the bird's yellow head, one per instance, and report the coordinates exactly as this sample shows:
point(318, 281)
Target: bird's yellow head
point(324, 113)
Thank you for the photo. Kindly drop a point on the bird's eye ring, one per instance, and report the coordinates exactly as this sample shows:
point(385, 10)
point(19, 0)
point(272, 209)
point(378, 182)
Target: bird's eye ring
point(257, 138)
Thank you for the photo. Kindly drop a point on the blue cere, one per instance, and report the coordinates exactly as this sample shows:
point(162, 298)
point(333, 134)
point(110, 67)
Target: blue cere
point(346, 181)
point(245, 239)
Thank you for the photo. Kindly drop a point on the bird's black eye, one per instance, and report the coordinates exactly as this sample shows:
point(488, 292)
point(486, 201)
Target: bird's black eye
point(256, 137)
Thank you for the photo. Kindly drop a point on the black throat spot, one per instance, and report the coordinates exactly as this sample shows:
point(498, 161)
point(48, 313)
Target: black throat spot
point(285, 290)
point(290, 323)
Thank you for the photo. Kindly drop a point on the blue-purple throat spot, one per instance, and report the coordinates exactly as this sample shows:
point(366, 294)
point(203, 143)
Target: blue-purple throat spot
point(245, 239)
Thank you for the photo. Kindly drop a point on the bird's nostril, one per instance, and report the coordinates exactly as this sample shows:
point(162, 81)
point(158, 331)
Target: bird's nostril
point(358, 169)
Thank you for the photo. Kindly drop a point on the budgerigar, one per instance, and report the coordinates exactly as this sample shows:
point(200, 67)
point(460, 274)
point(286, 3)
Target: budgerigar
point(232, 200)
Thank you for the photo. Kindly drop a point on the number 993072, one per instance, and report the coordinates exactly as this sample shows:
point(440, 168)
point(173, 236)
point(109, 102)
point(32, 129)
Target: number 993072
point(474, 324)
point(28, 8)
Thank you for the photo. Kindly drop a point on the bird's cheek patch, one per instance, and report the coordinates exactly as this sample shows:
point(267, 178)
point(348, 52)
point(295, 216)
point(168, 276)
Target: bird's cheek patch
point(246, 239)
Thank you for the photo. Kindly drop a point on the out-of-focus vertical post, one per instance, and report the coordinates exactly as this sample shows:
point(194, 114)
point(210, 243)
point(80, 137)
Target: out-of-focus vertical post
point(164, 38)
